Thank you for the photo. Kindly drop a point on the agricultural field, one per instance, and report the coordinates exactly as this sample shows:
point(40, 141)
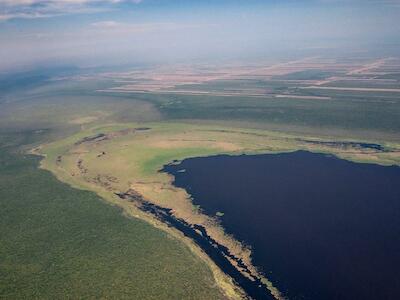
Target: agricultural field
point(347, 98)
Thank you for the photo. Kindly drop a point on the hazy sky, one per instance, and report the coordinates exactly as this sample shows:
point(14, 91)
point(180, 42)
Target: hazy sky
point(102, 32)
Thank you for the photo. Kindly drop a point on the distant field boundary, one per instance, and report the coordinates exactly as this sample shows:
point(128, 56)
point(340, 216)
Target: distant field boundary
point(351, 89)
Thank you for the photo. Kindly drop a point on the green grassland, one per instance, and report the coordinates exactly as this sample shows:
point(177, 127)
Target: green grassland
point(57, 242)
point(346, 114)
point(352, 114)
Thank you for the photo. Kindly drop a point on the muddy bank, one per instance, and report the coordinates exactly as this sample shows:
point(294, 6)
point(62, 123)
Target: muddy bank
point(347, 145)
point(104, 137)
point(220, 254)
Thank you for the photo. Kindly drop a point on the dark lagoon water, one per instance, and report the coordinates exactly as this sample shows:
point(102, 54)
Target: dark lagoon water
point(320, 227)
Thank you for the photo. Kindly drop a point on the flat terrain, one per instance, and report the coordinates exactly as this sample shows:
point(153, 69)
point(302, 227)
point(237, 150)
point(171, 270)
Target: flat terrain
point(57, 242)
point(126, 158)
point(112, 131)
point(320, 227)
point(358, 97)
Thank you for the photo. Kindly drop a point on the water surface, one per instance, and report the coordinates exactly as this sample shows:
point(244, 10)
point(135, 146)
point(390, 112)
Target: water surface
point(320, 227)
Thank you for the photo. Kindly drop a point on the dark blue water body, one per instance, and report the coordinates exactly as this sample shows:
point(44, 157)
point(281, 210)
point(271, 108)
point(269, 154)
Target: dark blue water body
point(320, 227)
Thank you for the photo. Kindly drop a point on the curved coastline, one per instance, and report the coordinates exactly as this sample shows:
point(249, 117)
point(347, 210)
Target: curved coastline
point(202, 167)
point(229, 288)
point(221, 256)
point(68, 151)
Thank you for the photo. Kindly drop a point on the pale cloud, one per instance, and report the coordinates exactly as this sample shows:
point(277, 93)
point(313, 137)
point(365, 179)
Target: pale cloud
point(106, 24)
point(377, 2)
point(127, 29)
point(45, 2)
point(31, 9)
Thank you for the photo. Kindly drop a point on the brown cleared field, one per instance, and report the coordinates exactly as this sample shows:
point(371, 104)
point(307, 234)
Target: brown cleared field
point(264, 79)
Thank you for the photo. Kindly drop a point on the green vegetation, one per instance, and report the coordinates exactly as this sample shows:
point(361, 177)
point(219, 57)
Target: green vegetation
point(347, 112)
point(126, 160)
point(73, 103)
point(60, 243)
